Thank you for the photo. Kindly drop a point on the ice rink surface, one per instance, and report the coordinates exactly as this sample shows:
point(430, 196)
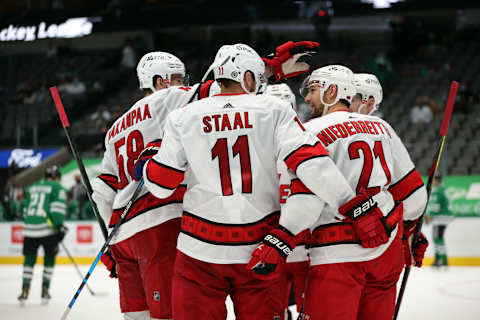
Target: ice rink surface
point(431, 295)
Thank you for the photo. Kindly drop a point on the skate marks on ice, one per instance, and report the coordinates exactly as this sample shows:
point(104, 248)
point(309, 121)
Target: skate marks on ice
point(431, 294)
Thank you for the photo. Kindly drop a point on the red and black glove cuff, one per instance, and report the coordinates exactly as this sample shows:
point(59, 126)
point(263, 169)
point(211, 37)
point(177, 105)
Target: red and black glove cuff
point(110, 263)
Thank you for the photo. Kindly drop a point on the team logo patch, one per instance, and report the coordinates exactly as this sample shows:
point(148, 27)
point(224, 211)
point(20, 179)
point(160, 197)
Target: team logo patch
point(156, 295)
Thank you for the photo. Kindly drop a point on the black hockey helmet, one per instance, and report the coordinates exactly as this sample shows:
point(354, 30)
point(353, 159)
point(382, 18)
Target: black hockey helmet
point(52, 172)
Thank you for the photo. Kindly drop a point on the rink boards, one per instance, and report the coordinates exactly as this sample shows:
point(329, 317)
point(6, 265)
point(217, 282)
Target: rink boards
point(84, 239)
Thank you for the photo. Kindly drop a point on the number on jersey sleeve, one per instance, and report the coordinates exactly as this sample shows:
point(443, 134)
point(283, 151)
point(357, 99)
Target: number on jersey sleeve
point(134, 146)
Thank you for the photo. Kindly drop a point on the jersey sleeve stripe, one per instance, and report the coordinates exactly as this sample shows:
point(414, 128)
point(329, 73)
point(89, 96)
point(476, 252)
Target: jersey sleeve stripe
point(164, 176)
point(146, 203)
point(304, 153)
point(406, 186)
point(297, 187)
point(110, 180)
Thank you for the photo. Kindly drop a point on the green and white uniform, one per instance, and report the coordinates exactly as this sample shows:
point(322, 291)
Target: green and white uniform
point(46, 202)
point(44, 211)
point(439, 211)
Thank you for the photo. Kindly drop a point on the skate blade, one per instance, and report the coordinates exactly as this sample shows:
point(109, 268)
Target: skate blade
point(44, 302)
point(22, 303)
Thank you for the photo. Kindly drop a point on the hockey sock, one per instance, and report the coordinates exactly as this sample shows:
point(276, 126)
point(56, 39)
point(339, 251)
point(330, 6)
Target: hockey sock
point(28, 264)
point(440, 251)
point(48, 265)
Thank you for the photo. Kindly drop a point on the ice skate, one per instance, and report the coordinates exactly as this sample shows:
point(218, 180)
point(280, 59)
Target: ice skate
point(23, 296)
point(45, 296)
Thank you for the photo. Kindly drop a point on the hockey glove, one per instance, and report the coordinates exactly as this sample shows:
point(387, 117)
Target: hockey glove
point(418, 248)
point(268, 257)
point(61, 232)
point(292, 58)
point(367, 220)
point(110, 263)
point(150, 150)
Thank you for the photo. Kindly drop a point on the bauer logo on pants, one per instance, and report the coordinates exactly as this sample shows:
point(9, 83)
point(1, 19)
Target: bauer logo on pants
point(156, 295)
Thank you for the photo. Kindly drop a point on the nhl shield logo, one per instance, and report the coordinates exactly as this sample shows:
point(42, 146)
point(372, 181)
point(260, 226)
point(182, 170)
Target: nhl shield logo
point(156, 295)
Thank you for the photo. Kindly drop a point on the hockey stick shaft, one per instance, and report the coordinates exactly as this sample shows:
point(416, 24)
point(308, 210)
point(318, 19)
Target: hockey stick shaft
point(103, 249)
point(74, 149)
point(433, 170)
point(64, 247)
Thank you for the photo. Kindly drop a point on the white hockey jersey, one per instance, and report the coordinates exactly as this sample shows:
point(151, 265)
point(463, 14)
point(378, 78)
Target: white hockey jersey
point(124, 141)
point(300, 252)
point(370, 155)
point(229, 145)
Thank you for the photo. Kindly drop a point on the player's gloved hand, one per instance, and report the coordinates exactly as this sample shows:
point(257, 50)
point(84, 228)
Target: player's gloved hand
point(110, 263)
point(269, 256)
point(61, 232)
point(208, 88)
point(419, 247)
point(367, 220)
point(291, 59)
point(148, 152)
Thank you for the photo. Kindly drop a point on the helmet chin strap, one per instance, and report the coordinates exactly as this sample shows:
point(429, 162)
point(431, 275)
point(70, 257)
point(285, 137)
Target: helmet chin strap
point(326, 105)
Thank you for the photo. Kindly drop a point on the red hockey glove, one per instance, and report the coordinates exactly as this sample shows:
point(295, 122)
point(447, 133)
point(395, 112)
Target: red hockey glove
point(419, 248)
point(292, 58)
point(269, 256)
point(367, 220)
point(148, 152)
point(109, 263)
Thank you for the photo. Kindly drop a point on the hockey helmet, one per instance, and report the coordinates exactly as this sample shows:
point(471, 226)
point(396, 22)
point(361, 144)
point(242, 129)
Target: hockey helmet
point(367, 85)
point(322, 78)
point(158, 63)
point(52, 172)
point(283, 91)
point(233, 61)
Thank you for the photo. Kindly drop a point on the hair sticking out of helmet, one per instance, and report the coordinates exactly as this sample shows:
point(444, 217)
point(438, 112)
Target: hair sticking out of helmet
point(52, 172)
point(233, 61)
point(368, 86)
point(283, 92)
point(323, 78)
point(161, 64)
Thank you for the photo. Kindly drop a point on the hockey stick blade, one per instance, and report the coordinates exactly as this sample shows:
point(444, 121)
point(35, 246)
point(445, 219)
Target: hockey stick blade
point(433, 170)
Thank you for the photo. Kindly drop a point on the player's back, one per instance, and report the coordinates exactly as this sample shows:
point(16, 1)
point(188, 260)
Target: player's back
point(231, 150)
point(124, 141)
point(371, 157)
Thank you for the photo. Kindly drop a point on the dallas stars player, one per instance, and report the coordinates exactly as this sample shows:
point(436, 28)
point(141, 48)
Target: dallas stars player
point(440, 215)
point(43, 225)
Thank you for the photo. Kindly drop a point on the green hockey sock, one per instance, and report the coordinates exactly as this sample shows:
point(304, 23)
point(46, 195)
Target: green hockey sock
point(49, 263)
point(28, 264)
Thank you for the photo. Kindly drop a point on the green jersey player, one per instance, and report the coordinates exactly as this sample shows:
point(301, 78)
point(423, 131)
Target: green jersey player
point(439, 214)
point(43, 226)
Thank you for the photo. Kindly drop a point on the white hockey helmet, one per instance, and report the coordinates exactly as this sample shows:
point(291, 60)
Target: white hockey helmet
point(283, 91)
point(367, 85)
point(233, 61)
point(322, 78)
point(158, 63)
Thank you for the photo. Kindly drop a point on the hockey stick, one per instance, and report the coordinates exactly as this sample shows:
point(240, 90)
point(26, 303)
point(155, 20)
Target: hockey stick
point(103, 249)
point(73, 148)
point(433, 170)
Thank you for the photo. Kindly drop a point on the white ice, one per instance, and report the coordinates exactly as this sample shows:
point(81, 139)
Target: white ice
point(431, 295)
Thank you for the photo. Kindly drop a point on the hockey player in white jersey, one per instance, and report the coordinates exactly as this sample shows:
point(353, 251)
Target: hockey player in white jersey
point(144, 247)
point(352, 277)
point(296, 269)
point(369, 93)
point(229, 145)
